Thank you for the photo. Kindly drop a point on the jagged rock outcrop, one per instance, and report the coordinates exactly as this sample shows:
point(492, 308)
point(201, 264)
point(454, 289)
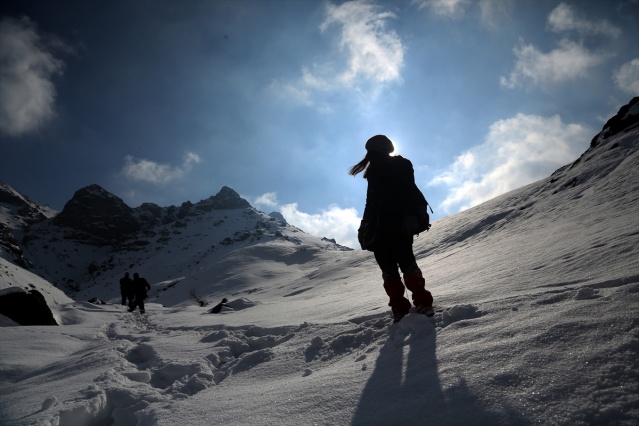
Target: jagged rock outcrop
point(611, 137)
point(11, 246)
point(9, 196)
point(19, 213)
point(95, 216)
point(224, 200)
point(278, 216)
point(100, 215)
point(23, 211)
point(625, 119)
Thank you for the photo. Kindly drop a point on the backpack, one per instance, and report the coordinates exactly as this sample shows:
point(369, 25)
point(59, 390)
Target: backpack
point(423, 219)
point(422, 216)
point(366, 234)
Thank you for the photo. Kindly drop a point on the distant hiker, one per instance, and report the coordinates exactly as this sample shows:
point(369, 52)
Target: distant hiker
point(126, 289)
point(140, 292)
point(218, 308)
point(395, 211)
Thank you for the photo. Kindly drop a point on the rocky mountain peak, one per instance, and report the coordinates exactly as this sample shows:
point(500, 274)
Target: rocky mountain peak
point(226, 199)
point(98, 213)
point(278, 216)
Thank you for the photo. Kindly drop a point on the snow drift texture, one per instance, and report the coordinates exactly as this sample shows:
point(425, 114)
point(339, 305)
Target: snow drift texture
point(537, 323)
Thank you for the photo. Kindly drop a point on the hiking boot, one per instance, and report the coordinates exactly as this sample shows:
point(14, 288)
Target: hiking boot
point(416, 284)
point(397, 316)
point(425, 310)
point(395, 289)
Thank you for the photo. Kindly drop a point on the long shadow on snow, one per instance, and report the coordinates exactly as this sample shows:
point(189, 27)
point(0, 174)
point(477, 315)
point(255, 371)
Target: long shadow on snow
point(391, 397)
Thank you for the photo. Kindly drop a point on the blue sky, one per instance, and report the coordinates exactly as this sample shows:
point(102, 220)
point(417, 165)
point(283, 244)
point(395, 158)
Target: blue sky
point(168, 101)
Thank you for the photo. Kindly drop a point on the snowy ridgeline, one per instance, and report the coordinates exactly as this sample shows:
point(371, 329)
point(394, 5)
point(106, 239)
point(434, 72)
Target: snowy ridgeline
point(182, 250)
point(537, 294)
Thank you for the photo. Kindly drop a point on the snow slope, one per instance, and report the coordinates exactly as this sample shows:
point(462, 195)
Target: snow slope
point(538, 292)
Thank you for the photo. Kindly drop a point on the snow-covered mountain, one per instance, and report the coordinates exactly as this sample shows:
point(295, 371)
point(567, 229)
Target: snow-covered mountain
point(17, 213)
point(537, 292)
point(86, 248)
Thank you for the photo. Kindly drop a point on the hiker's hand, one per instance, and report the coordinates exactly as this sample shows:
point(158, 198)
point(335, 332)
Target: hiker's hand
point(410, 225)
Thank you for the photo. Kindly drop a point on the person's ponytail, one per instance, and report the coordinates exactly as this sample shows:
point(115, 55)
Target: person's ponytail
point(360, 167)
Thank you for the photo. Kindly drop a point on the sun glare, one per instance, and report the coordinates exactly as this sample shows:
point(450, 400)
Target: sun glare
point(397, 146)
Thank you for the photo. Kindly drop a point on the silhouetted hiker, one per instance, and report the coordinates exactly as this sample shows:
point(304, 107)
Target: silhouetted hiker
point(126, 289)
point(218, 308)
point(393, 206)
point(140, 291)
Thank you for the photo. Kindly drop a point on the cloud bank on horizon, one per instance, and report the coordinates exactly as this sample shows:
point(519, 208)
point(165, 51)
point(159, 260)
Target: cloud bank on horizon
point(250, 98)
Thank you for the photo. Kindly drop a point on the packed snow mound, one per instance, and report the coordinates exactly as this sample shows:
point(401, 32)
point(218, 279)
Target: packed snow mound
point(14, 277)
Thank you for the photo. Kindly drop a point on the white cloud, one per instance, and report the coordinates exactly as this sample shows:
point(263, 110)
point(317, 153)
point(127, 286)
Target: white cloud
point(27, 68)
point(568, 61)
point(335, 222)
point(369, 54)
point(149, 171)
point(462, 168)
point(373, 52)
point(297, 93)
point(493, 11)
point(566, 18)
point(516, 152)
point(627, 77)
point(268, 200)
point(453, 9)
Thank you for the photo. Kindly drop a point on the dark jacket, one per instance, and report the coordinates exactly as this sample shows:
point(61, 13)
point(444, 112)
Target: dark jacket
point(126, 285)
point(391, 196)
point(141, 288)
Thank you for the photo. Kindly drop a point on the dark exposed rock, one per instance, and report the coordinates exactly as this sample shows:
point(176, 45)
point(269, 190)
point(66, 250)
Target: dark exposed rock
point(185, 210)
point(278, 216)
point(26, 210)
point(9, 196)
point(25, 308)
point(101, 215)
point(224, 200)
point(570, 176)
point(152, 209)
point(149, 214)
point(623, 121)
point(23, 213)
point(10, 245)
